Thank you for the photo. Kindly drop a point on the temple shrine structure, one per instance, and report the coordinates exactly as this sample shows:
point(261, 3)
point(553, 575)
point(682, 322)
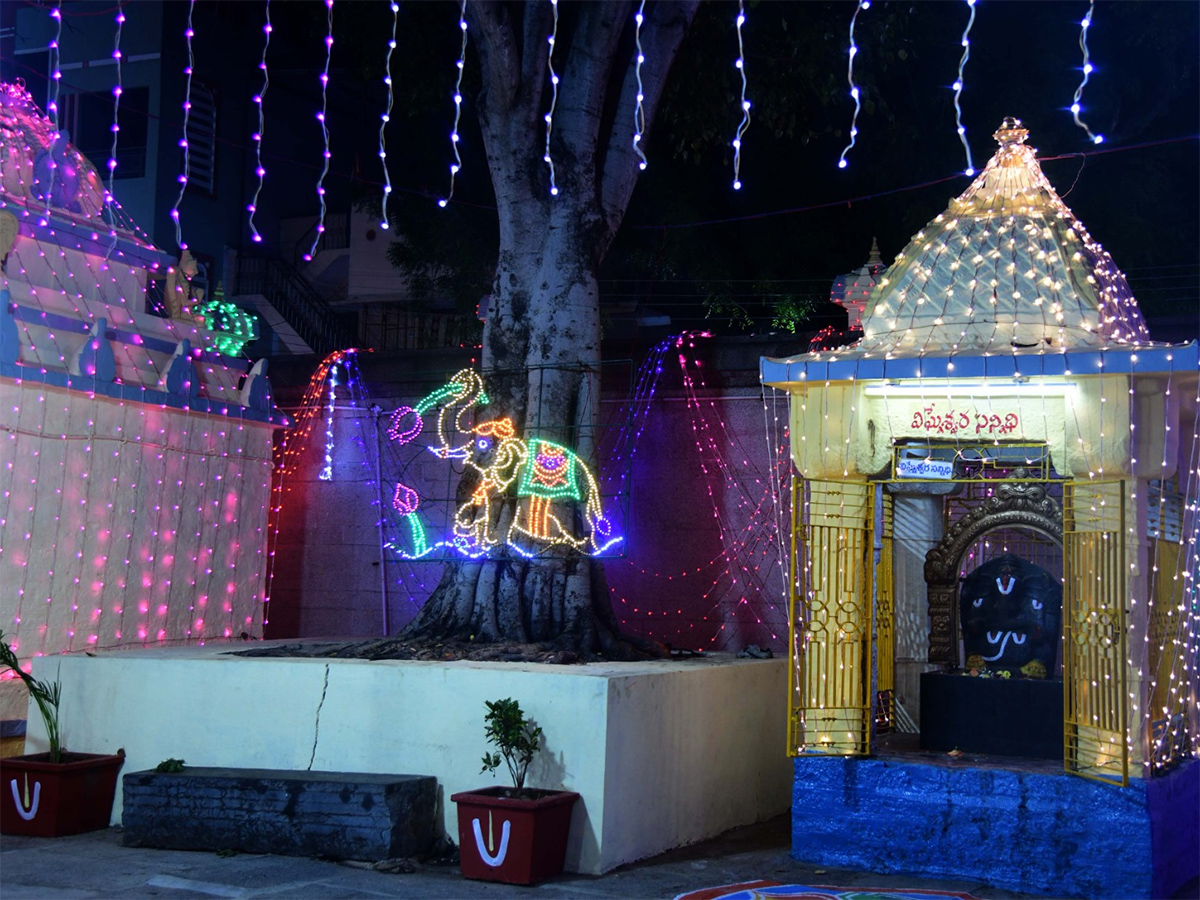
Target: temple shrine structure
point(993, 576)
point(135, 452)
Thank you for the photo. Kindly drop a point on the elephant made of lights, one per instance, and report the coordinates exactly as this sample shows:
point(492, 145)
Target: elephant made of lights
point(547, 478)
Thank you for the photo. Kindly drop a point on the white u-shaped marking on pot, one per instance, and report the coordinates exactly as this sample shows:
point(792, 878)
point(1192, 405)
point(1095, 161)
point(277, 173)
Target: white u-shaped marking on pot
point(37, 795)
point(488, 858)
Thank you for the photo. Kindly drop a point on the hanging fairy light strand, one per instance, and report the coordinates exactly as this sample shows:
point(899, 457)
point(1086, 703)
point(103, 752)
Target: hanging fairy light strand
point(1088, 68)
point(740, 65)
point(116, 125)
point(854, 91)
point(639, 112)
point(553, 99)
point(52, 101)
point(188, 34)
point(325, 154)
point(259, 170)
point(326, 473)
point(461, 64)
point(958, 87)
point(387, 117)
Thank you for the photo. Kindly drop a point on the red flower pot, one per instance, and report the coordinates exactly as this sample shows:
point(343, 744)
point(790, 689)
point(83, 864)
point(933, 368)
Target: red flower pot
point(45, 799)
point(517, 840)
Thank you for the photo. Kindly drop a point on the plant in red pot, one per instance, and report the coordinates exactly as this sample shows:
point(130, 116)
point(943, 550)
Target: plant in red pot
point(54, 793)
point(517, 835)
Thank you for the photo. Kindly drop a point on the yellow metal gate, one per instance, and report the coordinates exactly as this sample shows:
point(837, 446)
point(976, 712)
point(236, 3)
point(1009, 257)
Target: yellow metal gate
point(1095, 623)
point(831, 617)
point(885, 617)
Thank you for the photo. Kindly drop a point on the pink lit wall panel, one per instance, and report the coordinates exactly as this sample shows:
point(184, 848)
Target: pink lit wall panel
point(125, 523)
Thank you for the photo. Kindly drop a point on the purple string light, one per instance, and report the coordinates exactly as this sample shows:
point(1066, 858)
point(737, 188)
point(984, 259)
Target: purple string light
point(387, 117)
point(116, 126)
point(257, 136)
point(326, 155)
point(183, 141)
point(462, 60)
point(52, 102)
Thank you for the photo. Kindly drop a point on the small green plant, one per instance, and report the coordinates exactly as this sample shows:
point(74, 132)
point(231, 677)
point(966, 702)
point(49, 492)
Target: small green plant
point(171, 764)
point(45, 694)
point(517, 740)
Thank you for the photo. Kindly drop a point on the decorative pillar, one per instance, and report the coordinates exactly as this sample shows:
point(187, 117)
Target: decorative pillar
point(837, 623)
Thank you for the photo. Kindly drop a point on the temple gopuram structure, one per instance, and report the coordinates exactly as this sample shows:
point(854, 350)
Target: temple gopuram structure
point(994, 564)
point(135, 451)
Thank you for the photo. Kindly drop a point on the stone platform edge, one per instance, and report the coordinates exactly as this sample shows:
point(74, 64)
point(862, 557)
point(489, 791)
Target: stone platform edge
point(663, 753)
point(1054, 834)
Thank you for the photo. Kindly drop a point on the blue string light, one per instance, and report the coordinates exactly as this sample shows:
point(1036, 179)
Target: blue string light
point(1084, 25)
point(462, 61)
point(958, 86)
point(553, 99)
point(325, 155)
point(326, 473)
point(740, 65)
point(257, 136)
point(387, 116)
point(639, 113)
point(854, 92)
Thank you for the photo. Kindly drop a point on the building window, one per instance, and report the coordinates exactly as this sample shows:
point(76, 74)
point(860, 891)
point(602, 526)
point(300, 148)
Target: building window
point(88, 117)
point(202, 139)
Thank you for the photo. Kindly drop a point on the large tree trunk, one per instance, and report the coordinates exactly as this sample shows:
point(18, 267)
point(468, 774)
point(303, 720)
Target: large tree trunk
point(541, 345)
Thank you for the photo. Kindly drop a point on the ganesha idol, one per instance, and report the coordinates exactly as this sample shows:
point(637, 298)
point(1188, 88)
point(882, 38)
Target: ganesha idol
point(1011, 615)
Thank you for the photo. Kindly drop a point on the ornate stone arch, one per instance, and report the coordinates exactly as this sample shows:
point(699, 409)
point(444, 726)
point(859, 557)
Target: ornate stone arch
point(1022, 504)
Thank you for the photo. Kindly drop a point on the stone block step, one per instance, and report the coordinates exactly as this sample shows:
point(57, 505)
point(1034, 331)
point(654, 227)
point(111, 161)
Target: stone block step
point(329, 815)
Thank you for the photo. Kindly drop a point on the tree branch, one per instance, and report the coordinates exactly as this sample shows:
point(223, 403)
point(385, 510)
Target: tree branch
point(495, 41)
point(662, 33)
point(586, 82)
point(511, 64)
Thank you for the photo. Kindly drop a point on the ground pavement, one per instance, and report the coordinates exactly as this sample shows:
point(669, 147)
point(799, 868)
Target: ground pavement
point(96, 865)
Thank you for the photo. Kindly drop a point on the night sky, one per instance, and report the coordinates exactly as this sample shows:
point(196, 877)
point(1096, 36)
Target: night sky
point(799, 220)
point(799, 217)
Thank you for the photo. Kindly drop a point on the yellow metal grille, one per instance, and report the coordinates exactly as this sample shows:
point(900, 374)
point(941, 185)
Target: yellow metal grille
point(1095, 592)
point(1169, 648)
point(885, 620)
point(831, 618)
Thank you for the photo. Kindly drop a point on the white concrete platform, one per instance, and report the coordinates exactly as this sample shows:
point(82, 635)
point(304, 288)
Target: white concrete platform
point(663, 753)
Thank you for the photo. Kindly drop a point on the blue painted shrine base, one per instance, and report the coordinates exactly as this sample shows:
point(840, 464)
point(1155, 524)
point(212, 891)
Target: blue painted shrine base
point(1042, 833)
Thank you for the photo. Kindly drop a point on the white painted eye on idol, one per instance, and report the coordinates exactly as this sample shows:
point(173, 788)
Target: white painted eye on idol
point(977, 603)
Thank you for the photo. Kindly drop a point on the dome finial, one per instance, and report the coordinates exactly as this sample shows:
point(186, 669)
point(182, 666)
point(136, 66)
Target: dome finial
point(874, 259)
point(1010, 132)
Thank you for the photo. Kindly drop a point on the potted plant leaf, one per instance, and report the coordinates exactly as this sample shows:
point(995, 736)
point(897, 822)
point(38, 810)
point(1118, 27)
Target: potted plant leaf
point(513, 834)
point(57, 792)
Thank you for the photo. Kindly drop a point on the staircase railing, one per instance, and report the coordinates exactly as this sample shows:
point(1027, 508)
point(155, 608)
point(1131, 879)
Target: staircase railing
point(336, 236)
point(317, 324)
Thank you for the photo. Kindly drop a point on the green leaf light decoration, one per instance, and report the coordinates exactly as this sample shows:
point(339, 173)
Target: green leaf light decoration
point(233, 327)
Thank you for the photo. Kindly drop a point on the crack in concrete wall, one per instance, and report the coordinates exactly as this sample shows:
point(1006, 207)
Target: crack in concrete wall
point(317, 724)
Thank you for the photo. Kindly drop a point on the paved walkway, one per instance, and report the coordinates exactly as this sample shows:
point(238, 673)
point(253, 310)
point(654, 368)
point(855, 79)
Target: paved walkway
point(96, 865)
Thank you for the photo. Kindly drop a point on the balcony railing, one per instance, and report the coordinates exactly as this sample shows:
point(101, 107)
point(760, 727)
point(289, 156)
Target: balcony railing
point(294, 299)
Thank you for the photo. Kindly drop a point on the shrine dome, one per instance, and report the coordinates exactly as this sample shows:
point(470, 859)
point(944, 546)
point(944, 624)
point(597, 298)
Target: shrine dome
point(1006, 267)
point(42, 171)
